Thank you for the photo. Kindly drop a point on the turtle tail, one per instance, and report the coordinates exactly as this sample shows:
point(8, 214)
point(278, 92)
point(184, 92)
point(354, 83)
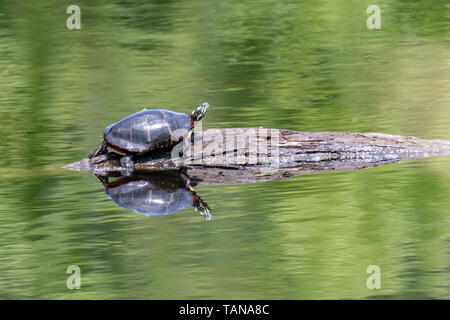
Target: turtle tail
point(198, 113)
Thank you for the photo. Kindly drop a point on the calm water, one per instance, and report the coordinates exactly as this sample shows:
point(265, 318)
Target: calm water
point(306, 66)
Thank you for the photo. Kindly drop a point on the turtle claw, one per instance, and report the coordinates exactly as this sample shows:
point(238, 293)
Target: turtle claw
point(207, 216)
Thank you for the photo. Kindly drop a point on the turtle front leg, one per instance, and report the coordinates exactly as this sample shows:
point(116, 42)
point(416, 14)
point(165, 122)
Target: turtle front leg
point(102, 148)
point(127, 163)
point(185, 143)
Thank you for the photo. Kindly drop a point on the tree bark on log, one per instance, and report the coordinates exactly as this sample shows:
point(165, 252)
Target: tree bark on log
point(247, 155)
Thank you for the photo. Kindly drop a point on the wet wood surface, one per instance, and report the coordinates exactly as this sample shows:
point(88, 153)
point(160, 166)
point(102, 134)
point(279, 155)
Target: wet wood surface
point(247, 155)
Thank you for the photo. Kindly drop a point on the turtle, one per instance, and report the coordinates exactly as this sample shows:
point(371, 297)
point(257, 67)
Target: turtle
point(149, 130)
point(154, 194)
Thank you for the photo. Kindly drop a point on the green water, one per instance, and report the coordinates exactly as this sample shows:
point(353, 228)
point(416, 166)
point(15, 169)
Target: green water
point(300, 65)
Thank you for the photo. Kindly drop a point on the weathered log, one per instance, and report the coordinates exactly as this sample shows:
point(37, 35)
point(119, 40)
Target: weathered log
point(234, 156)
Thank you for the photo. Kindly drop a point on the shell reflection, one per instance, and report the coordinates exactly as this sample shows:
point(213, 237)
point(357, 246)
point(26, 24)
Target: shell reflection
point(154, 194)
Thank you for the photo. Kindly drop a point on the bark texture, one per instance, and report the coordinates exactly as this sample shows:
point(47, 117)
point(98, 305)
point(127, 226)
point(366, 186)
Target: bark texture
point(247, 155)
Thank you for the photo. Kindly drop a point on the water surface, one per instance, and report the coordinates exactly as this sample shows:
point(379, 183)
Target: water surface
point(305, 66)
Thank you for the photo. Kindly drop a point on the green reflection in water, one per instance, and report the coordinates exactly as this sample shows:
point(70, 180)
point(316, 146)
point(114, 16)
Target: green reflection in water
point(286, 64)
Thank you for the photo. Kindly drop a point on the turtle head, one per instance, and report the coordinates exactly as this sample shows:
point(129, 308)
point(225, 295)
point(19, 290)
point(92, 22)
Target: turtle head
point(198, 113)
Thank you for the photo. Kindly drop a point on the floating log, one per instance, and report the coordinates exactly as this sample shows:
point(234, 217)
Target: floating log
point(247, 155)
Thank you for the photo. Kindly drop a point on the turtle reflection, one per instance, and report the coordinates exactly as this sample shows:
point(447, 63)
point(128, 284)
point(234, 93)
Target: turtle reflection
point(154, 194)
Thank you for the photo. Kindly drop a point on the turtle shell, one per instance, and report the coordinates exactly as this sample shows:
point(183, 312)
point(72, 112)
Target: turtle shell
point(149, 198)
point(147, 130)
